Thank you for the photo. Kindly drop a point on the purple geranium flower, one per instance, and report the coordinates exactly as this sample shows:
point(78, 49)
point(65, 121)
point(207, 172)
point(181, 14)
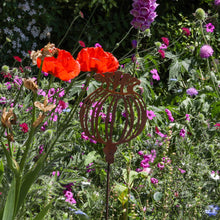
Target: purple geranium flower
point(150, 114)
point(155, 74)
point(210, 27)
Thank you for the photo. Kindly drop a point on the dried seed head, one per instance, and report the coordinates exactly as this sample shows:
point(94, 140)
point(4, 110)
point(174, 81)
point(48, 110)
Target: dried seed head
point(43, 106)
point(8, 118)
point(30, 84)
point(39, 120)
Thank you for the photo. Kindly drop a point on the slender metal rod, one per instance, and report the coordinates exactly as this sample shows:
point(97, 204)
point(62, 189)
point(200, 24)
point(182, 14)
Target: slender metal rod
point(107, 191)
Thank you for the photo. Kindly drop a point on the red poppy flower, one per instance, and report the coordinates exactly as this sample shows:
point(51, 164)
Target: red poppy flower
point(62, 65)
point(96, 59)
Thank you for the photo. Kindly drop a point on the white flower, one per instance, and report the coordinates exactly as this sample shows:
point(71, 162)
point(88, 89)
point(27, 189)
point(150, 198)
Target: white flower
point(215, 176)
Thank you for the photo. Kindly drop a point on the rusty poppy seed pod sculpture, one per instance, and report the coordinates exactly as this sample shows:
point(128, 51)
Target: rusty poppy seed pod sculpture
point(113, 114)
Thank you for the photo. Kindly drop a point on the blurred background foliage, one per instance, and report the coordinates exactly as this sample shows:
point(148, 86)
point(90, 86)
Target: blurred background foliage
point(104, 21)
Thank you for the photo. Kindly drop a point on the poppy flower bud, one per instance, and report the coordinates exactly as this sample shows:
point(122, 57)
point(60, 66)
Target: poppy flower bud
point(200, 14)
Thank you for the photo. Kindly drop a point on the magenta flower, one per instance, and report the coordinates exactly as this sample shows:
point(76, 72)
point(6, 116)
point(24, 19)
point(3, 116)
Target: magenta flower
point(154, 180)
point(210, 27)
point(144, 13)
point(97, 45)
point(134, 44)
point(24, 127)
point(206, 51)
point(163, 47)
point(162, 53)
point(160, 166)
point(55, 172)
point(165, 40)
point(169, 114)
point(192, 91)
point(155, 74)
point(145, 163)
point(187, 117)
point(186, 31)
point(182, 132)
point(181, 170)
point(150, 114)
point(217, 125)
point(81, 43)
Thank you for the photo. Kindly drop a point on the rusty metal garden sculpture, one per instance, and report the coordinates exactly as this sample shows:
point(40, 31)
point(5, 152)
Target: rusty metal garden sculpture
point(113, 114)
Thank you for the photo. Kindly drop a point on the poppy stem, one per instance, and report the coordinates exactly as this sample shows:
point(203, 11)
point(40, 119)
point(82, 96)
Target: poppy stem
point(107, 191)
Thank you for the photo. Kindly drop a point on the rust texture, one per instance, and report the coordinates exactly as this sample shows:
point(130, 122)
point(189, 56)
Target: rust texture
point(101, 112)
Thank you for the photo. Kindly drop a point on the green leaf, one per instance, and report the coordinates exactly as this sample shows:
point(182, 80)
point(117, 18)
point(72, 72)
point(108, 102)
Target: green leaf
point(29, 178)
point(43, 212)
point(10, 203)
point(90, 157)
point(132, 176)
point(1, 170)
point(158, 196)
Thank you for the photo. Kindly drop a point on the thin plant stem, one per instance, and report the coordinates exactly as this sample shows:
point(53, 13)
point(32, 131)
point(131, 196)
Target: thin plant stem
point(107, 191)
point(118, 44)
point(68, 30)
point(75, 49)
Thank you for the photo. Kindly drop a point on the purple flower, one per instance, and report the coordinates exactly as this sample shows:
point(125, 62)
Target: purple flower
point(155, 74)
point(217, 2)
point(144, 13)
point(154, 180)
point(134, 44)
point(192, 91)
point(206, 51)
point(210, 27)
point(182, 132)
point(150, 114)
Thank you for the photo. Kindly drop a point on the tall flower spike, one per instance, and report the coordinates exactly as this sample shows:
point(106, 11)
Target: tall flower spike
point(144, 13)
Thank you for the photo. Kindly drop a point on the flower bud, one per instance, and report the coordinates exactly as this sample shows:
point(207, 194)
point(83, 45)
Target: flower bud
point(200, 14)
point(5, 68)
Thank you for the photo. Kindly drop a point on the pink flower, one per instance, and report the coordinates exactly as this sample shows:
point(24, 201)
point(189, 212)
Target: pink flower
point(169, 114)
point(210, 27)
point(24, 127)
point(206, 51)
point(186, 31)
point(98, 45)
point(181, 171)
point(155, 74)
point(187, 117)
point(150, 114)
point(163, 47)
point(165, 40)
point(55, 172)
point(217, 125)
point(17, 58)
point(160, 166)
point(182, 132)
point(159, 133)
point(162, 53)
point(82, 44)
